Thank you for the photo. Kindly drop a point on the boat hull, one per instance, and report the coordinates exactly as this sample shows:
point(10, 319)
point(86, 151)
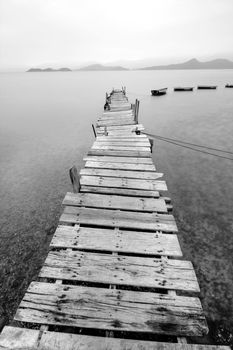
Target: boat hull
point(159, 92)
point(200, 87)
point(183, 89)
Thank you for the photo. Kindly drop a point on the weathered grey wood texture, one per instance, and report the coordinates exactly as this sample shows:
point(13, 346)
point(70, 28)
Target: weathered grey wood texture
point(117, 218)
point(140, 184)
point(111, 309)
point(120, 191)
point(100, 239)
point(120, 270)
point(128, 174)
point(115, 202)
point(13, 338)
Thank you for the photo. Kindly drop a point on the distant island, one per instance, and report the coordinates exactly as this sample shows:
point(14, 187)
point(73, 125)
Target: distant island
point(48, 70)
point(219, 63)
point(100, 67)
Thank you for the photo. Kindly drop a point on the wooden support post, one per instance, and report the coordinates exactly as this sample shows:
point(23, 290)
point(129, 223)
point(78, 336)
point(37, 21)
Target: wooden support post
point(74, 179)
point(105, 131)
point(138, 132)
point(151, 145)
point(133, 109)
point(94, 130)
point(137, 109)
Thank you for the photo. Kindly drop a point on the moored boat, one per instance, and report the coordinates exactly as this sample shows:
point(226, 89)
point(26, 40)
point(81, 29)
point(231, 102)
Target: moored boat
point(207, 87)
point(229, 85)
point(183, 89)
point(159, 92)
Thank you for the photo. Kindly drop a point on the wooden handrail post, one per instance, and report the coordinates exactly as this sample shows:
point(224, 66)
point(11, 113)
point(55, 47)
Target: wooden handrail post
point(94, 130)
point(151, 145)
point(137, 110)
point(74, 179)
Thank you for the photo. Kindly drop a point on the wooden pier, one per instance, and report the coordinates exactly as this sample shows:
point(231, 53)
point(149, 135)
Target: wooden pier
point(114, 277)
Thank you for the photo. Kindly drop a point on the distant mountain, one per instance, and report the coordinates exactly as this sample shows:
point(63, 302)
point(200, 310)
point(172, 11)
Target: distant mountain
point(219, 63)
point(49, 70)
point(100, 67)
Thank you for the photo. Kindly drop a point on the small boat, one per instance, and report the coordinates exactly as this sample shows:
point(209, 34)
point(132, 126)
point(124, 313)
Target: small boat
point(207, 87)
point(159, 92)
point(183, 89)
point(229, 85)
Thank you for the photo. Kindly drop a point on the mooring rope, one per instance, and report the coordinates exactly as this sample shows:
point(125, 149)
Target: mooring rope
point(185, 144)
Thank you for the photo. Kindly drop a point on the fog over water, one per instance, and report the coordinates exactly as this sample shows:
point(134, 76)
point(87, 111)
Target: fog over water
point(45, 128)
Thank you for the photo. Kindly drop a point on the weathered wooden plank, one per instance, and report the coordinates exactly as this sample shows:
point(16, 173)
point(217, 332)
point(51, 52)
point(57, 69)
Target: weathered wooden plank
point(119, 103)
point(92, 200)
point(134, 160)
point(122, 140)
point(131, 136)
point(143, 167)
point(120, 191)
point(121, 173)
point(127, 153)
point(117, 218)
point(13, 338)
point(115, 123)
point(122, 143)
point(117, 133)
point(112, 309)
point(125, 148)
point(87, 238)
point(123, 127)
point(116, 113)
point(115, 101)
point(120, 108)
point(120, 270)
point(119, 117)
point(116, 117)
point(141, 184)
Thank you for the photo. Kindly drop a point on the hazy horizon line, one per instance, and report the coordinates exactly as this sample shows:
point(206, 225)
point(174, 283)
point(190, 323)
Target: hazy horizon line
point(121, 62)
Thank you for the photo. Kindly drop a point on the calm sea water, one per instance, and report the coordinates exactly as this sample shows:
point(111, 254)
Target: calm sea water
point(45, 128)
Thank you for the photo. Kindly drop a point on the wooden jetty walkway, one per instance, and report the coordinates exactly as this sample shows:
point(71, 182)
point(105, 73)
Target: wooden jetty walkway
point(114, 277)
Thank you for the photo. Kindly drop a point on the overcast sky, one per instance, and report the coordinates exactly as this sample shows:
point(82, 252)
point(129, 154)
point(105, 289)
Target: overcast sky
point(71, 32)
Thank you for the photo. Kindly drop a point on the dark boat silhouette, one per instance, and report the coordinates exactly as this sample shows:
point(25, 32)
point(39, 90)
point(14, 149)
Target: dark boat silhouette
point(207, 87)
point(229, 85)
point(159, 92)
point(183, 89)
